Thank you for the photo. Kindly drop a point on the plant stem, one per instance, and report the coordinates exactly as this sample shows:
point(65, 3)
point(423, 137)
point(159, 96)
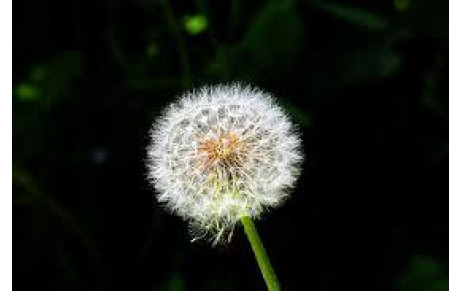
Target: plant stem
point(261, 255)
point(174, 26)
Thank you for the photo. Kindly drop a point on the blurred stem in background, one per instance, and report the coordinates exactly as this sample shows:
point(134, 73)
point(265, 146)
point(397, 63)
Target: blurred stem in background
point(35, 196)
point(234, 12)
point(180, 42)
point(261, 255)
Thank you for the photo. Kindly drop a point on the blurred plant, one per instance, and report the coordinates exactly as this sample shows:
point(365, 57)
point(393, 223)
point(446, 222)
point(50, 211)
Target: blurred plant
point(401, 5)
point(31, 196)
point(26, 92)
point(52, 80)
point(180, 42)
point(354, 15)
point(423, 274)
point(74, 95)
point(195, 24)
point(221, 155)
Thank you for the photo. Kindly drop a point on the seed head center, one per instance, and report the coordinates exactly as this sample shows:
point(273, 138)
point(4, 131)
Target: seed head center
point(221, 149)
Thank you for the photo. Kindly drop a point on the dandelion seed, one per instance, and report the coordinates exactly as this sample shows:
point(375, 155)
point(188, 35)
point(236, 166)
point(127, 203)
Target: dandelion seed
point(220, 153)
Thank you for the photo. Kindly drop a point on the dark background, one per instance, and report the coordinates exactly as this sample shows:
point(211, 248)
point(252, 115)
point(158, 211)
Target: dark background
point(365, 80)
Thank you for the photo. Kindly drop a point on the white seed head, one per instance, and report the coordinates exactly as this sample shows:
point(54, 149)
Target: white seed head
point(220, 153)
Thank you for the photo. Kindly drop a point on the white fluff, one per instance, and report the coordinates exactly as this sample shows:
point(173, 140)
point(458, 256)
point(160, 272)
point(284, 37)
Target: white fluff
point(222, 152)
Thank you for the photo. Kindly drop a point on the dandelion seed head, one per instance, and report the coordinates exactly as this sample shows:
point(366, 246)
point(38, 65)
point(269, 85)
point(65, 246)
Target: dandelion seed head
point(222, 152)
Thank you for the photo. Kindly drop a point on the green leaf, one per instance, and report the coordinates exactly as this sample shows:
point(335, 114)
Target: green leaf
point(274, 41)
point(376, 61)
point(354, 15)
point(195, 24)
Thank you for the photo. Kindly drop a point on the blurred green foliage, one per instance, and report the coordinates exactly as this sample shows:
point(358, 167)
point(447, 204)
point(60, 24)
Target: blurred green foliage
point(26, 92)
point(354, 15)
point(195, 24)
point(423, 274)
point(402, 5)
point(366, 82)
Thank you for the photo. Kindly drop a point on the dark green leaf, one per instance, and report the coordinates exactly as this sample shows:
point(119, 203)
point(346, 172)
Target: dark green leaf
point(354, 15)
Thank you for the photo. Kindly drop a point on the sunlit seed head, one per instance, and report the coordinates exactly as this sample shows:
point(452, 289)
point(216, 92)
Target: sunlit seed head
point(222, 152)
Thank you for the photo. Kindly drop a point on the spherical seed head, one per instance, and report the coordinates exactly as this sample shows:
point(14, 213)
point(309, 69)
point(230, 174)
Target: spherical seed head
point(223, 152)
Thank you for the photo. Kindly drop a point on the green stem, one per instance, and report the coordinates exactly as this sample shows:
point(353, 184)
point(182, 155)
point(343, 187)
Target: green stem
point(261, 255)
point(180, 42)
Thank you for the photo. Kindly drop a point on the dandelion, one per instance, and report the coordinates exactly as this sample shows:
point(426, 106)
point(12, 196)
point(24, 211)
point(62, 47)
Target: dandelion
point(224, 154)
